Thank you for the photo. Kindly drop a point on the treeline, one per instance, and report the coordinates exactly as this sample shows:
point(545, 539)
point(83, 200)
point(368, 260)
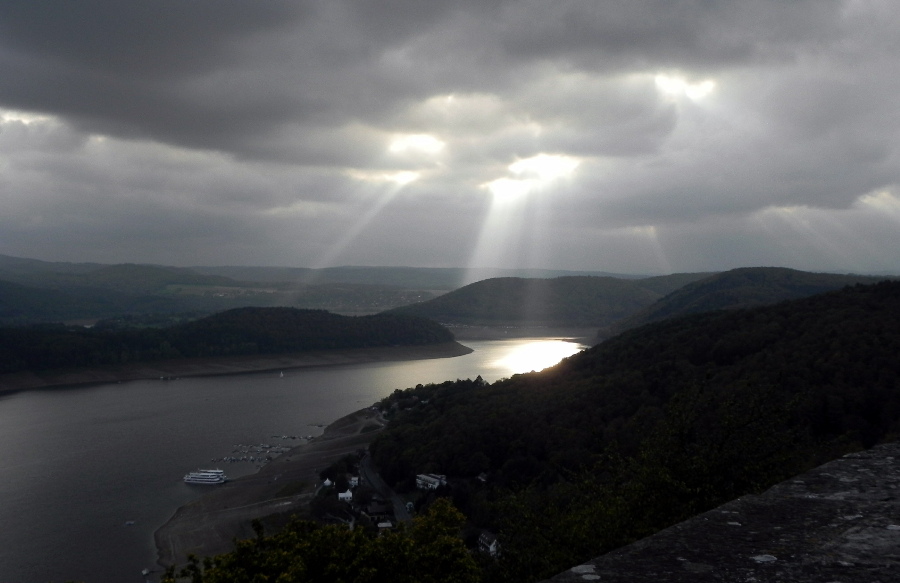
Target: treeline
point(655, 425)
point(427, 551)
point(243, 331)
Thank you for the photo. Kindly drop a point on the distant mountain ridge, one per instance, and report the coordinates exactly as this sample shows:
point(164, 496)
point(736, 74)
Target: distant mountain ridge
point(745, 287)
point(437, 278)
point(582, 301)
point(39, 291)
point(58, 291)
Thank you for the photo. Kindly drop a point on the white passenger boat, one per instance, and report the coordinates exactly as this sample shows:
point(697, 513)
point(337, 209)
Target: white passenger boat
point(205, 477)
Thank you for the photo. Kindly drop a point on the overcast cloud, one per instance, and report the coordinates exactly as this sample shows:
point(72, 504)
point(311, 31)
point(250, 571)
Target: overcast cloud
point(629, 136)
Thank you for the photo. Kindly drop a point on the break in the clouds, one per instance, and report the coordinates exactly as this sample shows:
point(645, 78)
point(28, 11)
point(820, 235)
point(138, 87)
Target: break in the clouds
point(619, 135)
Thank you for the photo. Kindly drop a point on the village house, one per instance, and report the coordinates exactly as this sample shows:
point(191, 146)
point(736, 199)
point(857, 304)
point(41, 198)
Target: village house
point(487, 543)
point(430, 481)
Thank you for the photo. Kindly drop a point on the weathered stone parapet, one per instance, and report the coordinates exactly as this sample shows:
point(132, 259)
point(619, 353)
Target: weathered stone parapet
point(839, 523)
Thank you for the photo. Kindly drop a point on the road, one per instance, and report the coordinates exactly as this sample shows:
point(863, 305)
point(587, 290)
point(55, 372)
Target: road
point(368, 473)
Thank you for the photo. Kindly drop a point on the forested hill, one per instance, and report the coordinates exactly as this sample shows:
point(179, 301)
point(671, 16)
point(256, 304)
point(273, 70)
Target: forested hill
point(679, 416)
point(584, 301)
point(242, 331)
point(746, 287)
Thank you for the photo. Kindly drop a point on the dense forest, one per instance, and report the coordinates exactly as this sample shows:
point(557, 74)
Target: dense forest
point(242, 331)
point(653, 426)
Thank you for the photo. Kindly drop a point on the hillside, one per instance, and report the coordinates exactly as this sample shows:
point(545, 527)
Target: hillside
point(655, 425)
point(238, 332)
point(34, 291)
point(583, 301)
point(745, 287)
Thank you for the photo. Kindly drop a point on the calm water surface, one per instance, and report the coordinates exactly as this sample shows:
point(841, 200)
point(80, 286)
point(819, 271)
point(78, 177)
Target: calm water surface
point(88, 474)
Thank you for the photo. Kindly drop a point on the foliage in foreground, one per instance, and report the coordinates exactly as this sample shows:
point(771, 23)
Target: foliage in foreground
point(429, 551)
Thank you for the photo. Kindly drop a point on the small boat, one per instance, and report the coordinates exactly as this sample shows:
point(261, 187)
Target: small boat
point(205, 477)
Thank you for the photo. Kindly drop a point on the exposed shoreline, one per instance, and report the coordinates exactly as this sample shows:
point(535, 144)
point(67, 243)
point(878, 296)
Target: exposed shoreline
point(231, 365)
point(208, 526)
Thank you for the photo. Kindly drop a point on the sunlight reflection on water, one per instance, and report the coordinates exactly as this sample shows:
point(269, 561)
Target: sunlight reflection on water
point(537, 355)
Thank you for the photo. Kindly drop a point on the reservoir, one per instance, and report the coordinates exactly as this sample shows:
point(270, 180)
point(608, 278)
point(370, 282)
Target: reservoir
point(89, 473)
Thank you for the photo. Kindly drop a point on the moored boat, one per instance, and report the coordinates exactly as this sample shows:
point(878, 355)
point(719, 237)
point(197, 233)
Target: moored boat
point(205, 477)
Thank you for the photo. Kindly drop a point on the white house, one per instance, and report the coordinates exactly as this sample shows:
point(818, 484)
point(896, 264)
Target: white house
point(487, 543)
point(430, 481)
point(345, 496)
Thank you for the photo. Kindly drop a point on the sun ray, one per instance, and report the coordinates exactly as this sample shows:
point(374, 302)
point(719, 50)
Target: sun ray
point(513, 221)
point(389, 184)
point(648, 237)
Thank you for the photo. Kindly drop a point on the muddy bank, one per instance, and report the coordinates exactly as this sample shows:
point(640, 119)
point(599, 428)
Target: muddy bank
point(208, 525)
point(225, 365)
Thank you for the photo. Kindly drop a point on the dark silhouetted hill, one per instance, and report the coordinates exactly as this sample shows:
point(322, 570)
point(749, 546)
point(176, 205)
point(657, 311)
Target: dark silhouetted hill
point(745, 287)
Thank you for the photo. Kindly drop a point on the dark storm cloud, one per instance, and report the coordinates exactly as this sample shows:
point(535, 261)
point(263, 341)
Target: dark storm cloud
point(299, 132)
point(215, 73)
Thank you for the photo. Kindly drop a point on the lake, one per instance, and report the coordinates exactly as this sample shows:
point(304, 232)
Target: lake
point(89, 473)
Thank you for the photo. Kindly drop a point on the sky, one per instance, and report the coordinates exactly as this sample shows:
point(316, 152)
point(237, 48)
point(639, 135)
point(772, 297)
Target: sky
point(623, 136)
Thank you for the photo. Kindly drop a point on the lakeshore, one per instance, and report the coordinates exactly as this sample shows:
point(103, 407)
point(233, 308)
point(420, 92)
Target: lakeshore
point(209, 525)
point(196, 367)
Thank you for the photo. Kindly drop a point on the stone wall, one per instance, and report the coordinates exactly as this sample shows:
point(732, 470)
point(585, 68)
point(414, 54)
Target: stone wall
point(839, 523)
